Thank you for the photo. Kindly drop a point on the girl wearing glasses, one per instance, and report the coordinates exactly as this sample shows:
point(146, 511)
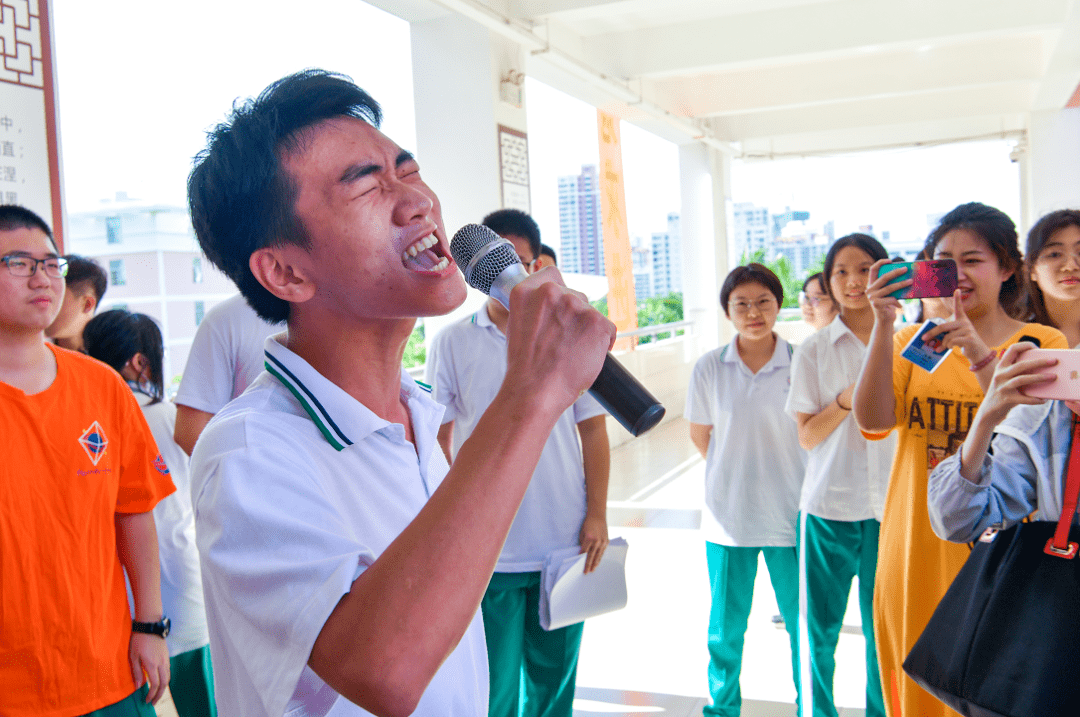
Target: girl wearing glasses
point(753, 474)
point(1052, 272)
point(846, 475)
point(932, 413)
point(132, 345)
point(818, 309)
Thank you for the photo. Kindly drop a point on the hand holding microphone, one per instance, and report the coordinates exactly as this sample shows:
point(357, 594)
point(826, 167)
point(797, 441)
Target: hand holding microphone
point(491, 265)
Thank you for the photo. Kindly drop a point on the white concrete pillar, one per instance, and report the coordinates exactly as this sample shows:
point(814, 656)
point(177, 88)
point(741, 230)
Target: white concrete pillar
point(723, 211)
point(457, 67)
point(1050, 165)
point(704, 176)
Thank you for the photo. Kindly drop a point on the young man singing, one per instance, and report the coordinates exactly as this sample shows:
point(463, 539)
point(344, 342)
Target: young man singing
point(343, 564)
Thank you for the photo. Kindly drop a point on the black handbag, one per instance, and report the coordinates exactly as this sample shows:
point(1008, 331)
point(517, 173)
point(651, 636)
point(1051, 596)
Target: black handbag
point(1005, 639)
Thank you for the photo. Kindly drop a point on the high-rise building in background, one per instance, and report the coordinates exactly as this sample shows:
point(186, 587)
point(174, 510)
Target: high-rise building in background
point(580, 226)
point(752, 230)
point(154, 266)
point(667, 259)
point(641, 255)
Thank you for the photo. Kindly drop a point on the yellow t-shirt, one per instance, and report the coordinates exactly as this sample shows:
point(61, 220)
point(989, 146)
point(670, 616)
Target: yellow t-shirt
point(915, 567)
point(74, 455)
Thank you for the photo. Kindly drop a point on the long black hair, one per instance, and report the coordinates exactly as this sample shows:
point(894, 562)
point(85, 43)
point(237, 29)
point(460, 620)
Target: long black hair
point(999, 232)
point(864, 242)
point(113, 337)
point(1036, 240)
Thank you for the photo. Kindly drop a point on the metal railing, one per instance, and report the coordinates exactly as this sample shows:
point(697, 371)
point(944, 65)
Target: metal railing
point(673, 329)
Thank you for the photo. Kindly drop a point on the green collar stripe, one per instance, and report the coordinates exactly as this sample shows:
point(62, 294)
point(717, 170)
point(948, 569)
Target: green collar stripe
point(315, 417)
point(425, 386)
point(284, 373)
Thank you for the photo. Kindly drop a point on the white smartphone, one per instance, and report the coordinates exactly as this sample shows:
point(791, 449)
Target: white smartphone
point(1066, 383)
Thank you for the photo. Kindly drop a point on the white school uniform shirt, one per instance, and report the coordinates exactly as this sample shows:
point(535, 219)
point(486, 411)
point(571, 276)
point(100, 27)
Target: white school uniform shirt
point(298, 489)
point(754, 465)
point(846, 475)
point(226, 355)
point(181, 577)
point(466, 365)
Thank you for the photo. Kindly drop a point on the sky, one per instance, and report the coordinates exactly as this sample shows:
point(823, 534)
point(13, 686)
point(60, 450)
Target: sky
point(140, 85)
point(891, 190)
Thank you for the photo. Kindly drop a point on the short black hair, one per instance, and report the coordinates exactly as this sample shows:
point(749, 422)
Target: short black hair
point(15, 216)
point(999, 232)
point(84, 273)
point(545, 250)
point(113, 337)
point(867, 243)
point(240, 197)
point(750, 274)
point(819, 278)
point(1036, 239)
point(514, 221)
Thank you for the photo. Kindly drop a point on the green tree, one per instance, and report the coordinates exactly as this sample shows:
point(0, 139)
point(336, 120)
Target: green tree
point(652, 312)
point(659, 310)
point(415, 350)
point(784, 272)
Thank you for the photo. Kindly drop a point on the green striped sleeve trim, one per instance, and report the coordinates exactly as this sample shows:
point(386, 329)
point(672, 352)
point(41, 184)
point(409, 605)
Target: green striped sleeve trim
point(425, 386)
point(315, 416)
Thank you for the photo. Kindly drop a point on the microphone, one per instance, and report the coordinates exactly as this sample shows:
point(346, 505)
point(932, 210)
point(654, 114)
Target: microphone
point(491, 265)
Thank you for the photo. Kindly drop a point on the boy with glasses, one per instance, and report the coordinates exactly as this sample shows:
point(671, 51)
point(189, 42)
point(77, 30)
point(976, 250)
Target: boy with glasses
point(80, 477)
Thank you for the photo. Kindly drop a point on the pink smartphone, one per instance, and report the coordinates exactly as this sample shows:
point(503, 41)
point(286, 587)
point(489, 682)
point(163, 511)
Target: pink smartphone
point(1066, 385)
point(930, 279)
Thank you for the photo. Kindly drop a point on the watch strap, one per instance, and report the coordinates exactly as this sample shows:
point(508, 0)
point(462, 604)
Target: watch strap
point(159, 628)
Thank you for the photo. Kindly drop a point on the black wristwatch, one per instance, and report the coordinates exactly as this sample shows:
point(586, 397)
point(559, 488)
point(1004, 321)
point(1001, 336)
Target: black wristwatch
point(160, 628)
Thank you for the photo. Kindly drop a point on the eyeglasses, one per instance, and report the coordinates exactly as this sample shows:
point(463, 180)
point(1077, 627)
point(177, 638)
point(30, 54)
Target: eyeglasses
point(762, 305)
point(22, 265)
point(805, 298)
point(1056, 255)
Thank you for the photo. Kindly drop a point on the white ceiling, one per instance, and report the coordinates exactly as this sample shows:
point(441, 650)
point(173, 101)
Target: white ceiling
point(778, 77)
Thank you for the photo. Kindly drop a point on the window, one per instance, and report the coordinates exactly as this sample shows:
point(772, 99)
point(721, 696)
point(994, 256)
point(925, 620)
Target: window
point(117, 277)
point(196, 270)
point(200, 311)
point(112, 229)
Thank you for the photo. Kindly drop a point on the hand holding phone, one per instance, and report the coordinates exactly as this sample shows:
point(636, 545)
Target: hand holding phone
point(934, 278)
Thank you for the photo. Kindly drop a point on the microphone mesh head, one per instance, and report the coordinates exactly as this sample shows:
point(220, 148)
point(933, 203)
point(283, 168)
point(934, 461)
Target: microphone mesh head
point(473, 239)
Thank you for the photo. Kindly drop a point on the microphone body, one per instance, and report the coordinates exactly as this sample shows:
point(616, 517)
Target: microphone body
point(491, 265)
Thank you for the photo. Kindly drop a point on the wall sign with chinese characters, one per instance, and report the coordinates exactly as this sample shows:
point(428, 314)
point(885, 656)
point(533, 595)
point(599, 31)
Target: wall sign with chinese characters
point(514, 169)
point(29, 150)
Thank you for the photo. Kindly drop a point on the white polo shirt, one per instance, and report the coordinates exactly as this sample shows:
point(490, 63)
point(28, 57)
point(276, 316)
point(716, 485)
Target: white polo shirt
point(754, 466)
point(466, 365)
point(846, 475)
point(226, 355)
point(298, 488)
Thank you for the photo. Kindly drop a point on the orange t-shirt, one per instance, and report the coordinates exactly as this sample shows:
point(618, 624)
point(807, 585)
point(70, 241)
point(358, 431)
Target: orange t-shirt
point(74, 455)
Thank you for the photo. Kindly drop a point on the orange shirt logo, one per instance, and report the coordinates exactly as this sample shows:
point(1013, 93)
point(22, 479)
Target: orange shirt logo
point(94, 442)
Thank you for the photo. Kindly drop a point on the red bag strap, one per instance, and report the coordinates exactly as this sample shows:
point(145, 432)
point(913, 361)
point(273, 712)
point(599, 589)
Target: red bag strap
point(1059, 545)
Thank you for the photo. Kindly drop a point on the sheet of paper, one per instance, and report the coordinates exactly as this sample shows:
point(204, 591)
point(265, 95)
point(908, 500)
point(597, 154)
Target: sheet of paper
point(569, 596)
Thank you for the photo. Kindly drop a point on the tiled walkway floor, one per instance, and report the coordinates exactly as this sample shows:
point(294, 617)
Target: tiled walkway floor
point(651, 659)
